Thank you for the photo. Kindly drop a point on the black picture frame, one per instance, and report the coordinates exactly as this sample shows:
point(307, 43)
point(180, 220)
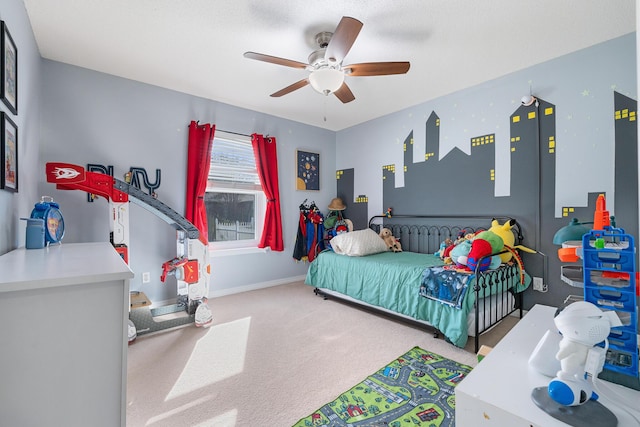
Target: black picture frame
point(307, 170)
point(8, 69)
point(8, 153)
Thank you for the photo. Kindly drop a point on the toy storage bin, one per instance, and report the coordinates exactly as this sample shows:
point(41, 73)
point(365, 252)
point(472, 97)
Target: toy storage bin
point(615, 300)
point(609, 273)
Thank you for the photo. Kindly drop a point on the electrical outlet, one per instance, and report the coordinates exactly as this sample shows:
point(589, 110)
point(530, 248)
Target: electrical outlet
point(146, 277)
point(538, 284)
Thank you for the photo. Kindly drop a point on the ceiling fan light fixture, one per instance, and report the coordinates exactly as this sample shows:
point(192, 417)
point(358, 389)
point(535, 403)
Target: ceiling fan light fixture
point(326, 80)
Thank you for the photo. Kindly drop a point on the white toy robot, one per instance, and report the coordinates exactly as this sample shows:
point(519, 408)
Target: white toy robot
point(582, 325)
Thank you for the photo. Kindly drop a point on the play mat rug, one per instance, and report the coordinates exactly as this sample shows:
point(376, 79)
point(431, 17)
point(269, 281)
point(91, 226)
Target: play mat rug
point(416, 389)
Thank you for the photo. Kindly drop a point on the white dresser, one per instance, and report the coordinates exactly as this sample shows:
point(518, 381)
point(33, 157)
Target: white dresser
point(63, 336)
point(497, 392)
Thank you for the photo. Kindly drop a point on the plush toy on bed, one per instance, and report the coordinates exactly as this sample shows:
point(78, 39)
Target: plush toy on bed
point(443, 246)
point(499, 237)
point(504, 231)
point(392, 243)
point(484, 244)
point(459, 253)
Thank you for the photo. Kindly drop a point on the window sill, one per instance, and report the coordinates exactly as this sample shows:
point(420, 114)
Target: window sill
point(214, 253)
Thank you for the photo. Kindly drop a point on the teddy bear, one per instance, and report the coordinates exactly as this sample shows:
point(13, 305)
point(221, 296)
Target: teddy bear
point(392, 243)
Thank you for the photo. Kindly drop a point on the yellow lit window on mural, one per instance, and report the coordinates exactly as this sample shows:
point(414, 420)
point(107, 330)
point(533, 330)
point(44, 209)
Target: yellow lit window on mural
point(532, 115)
point(548, 111)
point(632, 116)
point(516, 119)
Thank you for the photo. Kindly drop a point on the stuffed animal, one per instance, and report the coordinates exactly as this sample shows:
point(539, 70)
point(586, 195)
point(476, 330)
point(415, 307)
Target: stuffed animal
point(392, 243)
point(498, 238)
point(508, 238)
point(484, 244)
point(459, 253)
point(462, 257)
point(443, 246)
point(505, 233)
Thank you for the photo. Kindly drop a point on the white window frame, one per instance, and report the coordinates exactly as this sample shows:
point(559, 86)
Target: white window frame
point(260, 206)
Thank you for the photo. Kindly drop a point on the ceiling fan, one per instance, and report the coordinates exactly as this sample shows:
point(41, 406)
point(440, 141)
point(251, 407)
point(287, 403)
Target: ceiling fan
point(325, 64)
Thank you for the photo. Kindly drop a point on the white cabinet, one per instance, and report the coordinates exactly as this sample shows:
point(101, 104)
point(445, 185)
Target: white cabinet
point(497, 392)
point(63, 336)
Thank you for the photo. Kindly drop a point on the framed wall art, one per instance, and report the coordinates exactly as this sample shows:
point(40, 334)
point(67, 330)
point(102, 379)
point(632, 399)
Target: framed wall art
point(307, 170)
point(9, 69)
point(8, 153)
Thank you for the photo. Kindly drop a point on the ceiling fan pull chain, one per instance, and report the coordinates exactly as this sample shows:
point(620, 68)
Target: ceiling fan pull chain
point(325, 108)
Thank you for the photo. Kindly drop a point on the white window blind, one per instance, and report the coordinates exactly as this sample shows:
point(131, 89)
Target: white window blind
point(233, 163)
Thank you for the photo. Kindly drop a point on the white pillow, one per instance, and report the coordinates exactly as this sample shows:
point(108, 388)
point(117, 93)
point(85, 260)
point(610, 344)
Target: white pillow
point(358, 243)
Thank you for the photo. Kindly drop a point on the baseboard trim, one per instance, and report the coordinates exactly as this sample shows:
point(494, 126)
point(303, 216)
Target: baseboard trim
point(255, 286)
point(239, 289)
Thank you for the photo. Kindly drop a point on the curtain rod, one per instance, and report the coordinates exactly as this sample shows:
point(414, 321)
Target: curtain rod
point(235, 133)
point(267, 137)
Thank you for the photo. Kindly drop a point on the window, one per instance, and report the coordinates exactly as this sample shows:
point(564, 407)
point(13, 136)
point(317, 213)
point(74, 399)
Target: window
point(234, 199)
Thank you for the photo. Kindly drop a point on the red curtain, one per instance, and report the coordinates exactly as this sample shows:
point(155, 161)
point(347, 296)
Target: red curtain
point(198, 162)
point(266, 156)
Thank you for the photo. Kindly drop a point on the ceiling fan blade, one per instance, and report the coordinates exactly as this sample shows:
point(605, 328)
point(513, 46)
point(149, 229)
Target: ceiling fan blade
point(297, 85)
point(342, 39)
point(344, 94)
point(377, 68)
point(275, 60)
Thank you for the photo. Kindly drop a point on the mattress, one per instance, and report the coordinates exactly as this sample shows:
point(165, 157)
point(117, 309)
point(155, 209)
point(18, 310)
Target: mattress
point(391, 280)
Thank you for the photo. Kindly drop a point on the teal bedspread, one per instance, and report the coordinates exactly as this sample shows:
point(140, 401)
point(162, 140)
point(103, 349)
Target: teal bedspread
point(392, 280)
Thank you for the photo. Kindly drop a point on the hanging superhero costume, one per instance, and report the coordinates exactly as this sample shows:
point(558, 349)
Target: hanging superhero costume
point(310, 236)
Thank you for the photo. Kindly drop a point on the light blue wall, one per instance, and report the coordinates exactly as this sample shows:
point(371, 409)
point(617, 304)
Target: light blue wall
point(16, 205)
point(90, 117)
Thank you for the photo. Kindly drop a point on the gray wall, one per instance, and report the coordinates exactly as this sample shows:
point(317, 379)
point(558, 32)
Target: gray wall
point(580, 88)
point(89, 117)
point(16, 205)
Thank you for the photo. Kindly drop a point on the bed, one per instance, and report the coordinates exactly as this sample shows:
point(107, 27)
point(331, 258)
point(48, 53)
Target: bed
point(401, 283)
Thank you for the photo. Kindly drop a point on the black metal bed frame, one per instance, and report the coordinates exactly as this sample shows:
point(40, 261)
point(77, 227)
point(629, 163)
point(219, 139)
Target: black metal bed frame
point(423, 234)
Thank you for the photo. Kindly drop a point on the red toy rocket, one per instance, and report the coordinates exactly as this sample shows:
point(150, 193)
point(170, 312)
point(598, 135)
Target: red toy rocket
point(601, 214)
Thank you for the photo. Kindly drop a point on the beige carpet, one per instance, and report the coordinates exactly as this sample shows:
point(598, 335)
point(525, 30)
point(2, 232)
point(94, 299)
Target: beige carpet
point(271, 357)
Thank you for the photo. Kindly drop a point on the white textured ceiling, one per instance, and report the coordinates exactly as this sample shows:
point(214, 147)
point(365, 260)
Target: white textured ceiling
point(197, 46)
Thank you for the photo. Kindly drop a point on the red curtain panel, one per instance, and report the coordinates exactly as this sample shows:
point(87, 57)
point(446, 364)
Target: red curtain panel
point(198, 162)
point(266, 156)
